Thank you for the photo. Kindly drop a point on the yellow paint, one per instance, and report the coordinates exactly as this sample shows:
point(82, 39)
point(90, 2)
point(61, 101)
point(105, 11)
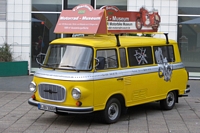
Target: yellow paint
point(136, 89)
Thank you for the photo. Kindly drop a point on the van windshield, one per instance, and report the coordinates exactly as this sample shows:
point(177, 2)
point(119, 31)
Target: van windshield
point(69, 57)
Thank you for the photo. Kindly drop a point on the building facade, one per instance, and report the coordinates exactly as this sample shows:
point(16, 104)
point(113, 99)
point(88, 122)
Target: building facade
point(26, 23)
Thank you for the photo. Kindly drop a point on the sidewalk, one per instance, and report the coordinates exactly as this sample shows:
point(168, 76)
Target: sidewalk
point(17, 116)
point(16, 84)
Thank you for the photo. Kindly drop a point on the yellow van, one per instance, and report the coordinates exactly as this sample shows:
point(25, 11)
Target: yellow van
point(106, 73)
point(97, 73)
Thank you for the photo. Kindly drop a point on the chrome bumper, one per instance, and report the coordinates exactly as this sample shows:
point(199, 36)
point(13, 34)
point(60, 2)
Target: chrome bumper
point(187, 90)
point(73, 110)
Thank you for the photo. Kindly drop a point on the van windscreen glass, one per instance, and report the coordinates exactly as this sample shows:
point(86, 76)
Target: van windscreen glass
point(72, 57)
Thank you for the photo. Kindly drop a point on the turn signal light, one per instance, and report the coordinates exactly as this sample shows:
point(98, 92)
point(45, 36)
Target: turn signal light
point(33, 96)
point(78, 103)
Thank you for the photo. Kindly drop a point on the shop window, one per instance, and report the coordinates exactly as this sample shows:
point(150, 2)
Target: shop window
point(43, 25)
point(47, 5)
point(188, 7)
point(121, 4)
point(3, 9)
point(73, 3)
point(140, 56)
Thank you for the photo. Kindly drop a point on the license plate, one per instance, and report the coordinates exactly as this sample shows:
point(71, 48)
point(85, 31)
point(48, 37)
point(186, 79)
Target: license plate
point(47, 107)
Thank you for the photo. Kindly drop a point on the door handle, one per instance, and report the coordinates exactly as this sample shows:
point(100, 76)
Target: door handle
point(120, 79)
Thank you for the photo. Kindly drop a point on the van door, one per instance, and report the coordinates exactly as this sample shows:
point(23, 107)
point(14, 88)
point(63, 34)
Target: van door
point(107, 79)
point(143, 86)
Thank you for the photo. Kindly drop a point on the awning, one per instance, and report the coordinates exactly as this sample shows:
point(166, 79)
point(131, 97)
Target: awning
point(35, 20)
point(193, 21)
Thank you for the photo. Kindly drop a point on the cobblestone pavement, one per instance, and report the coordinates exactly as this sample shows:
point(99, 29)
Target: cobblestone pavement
point(17, 116)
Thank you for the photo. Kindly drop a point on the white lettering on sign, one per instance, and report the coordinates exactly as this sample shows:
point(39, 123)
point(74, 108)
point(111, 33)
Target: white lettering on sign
point(116, 25)
point(69, 18)
point(127, 24)
point(120, 23)
point(90, 18)
point(114, 18)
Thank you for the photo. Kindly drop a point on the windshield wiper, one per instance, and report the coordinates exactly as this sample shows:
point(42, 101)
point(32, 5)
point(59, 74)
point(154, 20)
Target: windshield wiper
point(54, 64)
point(74, 68)
point(50, 65)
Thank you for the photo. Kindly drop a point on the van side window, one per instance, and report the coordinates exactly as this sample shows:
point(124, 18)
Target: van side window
point(164, 52)
point(140, 56)
point(122, 53)
point(108, 59)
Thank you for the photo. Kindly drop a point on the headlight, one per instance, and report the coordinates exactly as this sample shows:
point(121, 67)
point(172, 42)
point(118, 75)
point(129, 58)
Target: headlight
point(76, 93)
point(32, 87)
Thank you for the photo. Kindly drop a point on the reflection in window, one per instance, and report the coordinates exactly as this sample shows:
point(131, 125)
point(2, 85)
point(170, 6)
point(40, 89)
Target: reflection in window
point(69, 57)
point(47, 5)
point(73, 3)
point(140, 56)
point(121, 4)
point(189, 42)
point(3, 9)
point(122, 52)
point(108, 57)
point(188, 7)
point(43, 25)
point(164, 52)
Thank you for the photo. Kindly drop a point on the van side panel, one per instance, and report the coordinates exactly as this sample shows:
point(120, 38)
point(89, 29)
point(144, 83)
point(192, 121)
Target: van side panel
point(142, 88)
point(104, 89)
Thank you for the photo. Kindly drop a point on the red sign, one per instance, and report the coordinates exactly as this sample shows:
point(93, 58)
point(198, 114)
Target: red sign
point(129, 21)
point(82, 19)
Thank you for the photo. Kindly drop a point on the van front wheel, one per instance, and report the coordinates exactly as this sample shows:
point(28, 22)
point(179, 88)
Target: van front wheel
point(169, 102)
point(112, 111)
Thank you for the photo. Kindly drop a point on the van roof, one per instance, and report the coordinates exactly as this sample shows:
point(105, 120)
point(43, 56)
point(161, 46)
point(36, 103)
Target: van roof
point(110, 41)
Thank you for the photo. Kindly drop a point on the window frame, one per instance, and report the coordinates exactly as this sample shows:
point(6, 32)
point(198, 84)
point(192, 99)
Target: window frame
point(116, 54)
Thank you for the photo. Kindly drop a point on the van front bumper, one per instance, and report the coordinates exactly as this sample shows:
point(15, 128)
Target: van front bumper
point(56, 108)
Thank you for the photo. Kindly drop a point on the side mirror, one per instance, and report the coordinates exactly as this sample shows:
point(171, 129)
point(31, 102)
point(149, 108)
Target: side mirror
point(101, 61)
point(40, 57)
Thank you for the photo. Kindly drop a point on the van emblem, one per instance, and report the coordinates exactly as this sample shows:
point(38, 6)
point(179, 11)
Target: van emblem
point(50, 91)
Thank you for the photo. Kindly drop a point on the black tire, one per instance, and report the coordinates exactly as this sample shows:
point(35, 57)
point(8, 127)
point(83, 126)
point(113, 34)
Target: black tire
point(112, 112)
point(154, 27)
point(138, 24)
point(169, 102)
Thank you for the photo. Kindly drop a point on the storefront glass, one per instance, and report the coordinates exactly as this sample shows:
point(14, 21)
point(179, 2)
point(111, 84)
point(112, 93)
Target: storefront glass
point(189, 34)
point(47, 5)
point(189, 7)
point(189, 41)
point(121, 4)
point(43, 25)
point(73, 3)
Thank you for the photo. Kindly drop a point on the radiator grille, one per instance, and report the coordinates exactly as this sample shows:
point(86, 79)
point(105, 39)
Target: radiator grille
point(52, 92)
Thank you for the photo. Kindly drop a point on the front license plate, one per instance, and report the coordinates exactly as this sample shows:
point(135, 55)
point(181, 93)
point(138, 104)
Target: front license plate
point(47, 107)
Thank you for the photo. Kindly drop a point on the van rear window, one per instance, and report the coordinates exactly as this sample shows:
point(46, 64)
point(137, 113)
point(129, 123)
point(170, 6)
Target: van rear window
point(140, 56)
point(164, 52)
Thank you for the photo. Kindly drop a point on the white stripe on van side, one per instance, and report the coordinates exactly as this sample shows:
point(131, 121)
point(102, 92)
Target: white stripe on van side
point(85, 76)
